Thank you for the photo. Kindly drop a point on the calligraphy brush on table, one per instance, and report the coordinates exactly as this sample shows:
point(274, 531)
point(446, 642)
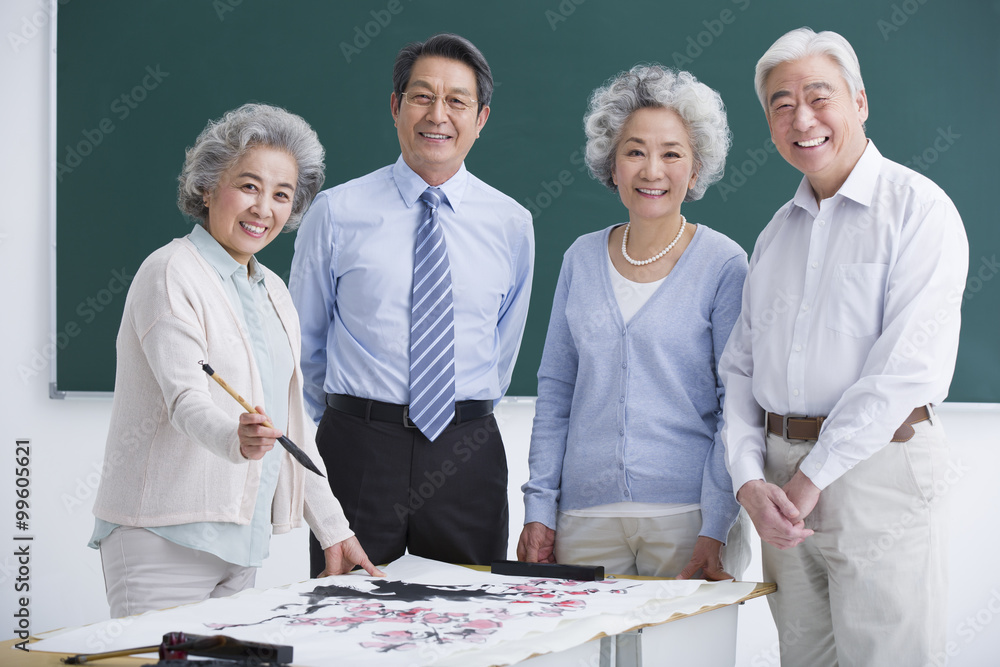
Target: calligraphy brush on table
point(292, 448)
point(179, 645)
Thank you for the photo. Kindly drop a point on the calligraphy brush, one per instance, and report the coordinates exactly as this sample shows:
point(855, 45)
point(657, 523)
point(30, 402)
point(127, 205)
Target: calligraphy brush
point(292, 448)
point(179, 645)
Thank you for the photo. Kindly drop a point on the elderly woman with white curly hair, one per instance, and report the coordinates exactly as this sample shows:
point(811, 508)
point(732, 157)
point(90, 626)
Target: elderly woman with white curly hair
point(626, 464)
point(192, 485)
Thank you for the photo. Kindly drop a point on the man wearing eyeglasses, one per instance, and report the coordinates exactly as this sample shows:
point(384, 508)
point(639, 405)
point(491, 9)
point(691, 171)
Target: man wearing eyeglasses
point(412, 287)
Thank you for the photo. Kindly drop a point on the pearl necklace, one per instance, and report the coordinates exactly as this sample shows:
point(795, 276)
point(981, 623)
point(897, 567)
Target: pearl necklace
point(636, 262)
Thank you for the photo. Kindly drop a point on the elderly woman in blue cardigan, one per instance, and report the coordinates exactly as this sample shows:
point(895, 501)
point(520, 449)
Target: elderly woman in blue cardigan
point(626, 462)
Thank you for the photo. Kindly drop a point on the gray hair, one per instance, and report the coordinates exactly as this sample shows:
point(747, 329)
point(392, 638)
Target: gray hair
point(653, 86)
point(223, 142)
point(802, 43)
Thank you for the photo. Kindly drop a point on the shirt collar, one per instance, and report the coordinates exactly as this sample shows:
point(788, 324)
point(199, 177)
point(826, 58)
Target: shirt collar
point(859, 186)
point(411, 185)
point(220, 260)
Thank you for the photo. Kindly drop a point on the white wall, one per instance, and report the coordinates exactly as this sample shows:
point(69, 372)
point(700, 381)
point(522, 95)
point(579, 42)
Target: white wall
point(67, 437)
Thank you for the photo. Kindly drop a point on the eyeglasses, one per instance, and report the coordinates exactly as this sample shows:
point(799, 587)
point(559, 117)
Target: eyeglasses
point(425, 100)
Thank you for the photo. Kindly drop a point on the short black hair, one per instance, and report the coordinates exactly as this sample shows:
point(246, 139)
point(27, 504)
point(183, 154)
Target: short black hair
point(445, 45)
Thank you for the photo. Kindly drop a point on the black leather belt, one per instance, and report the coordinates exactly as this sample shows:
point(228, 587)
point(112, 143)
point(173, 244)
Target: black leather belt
point(400, 414)
point(807, 428)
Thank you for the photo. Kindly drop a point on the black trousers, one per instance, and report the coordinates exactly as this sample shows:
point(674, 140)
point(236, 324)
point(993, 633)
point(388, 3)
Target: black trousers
point(445, 500)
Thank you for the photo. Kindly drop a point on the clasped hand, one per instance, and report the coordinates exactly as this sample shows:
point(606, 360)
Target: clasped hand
point(778, 513)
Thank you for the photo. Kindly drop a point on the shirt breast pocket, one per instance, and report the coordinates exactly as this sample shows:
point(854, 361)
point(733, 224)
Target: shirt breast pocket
point(857, 296)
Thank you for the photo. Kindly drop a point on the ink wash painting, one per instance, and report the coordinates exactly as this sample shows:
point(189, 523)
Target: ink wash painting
point(423, 613)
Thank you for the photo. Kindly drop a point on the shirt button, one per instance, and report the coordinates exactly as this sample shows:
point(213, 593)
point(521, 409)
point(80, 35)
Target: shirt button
point(815, 265)
point(624, 332)
point(621, 432)
point(624, 365)
point(798, 348)
point(795, 392)
point(821, 223)
point(805, 306)
point(621, 399)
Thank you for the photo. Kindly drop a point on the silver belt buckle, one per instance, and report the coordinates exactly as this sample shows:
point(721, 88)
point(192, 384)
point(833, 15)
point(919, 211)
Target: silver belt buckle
point(407, 422)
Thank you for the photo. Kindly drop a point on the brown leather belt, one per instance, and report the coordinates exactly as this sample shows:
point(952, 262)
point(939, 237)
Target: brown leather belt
point(807, 428)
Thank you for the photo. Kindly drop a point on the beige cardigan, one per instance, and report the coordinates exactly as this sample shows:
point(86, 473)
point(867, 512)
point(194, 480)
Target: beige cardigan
point(172, 454)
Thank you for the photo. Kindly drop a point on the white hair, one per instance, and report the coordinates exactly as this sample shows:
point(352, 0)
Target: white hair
point(802, 43)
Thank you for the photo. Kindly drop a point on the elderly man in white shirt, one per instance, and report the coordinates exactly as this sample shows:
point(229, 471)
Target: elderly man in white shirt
point(847, 339)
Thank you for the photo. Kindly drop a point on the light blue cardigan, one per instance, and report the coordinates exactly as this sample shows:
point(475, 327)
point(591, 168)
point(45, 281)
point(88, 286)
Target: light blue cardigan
point(633, 413)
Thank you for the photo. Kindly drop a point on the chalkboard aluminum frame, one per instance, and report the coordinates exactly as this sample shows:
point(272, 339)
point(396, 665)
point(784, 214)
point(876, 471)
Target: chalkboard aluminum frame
point(54, 391)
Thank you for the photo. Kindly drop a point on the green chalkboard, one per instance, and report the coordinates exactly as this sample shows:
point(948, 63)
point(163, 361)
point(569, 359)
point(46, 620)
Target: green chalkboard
point(136, 82)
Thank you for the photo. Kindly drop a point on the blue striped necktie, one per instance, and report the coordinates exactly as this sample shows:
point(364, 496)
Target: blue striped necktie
point(432, 326)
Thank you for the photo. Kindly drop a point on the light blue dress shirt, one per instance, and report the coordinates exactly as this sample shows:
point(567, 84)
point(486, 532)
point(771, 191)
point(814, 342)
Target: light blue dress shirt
point(352, 275)
point(233, 543)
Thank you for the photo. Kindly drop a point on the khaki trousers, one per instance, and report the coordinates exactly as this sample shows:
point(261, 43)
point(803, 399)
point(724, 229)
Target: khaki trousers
point(143, 571)
point(870, 586)
point(649, 546)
